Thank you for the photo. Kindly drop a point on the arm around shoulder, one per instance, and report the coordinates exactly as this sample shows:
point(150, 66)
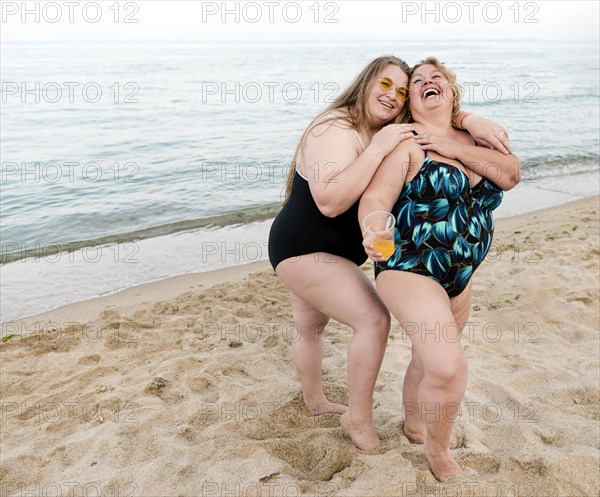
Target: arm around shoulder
point(484, 131)
point(388, 181)
point(337, 172)
point(504, 170)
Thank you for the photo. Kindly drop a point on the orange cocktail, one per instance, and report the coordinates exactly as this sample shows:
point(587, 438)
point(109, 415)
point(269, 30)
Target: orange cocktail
point(380, 227)
point(384, 246)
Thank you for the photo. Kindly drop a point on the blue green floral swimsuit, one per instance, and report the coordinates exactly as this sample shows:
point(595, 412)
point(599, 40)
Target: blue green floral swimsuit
point(445, 226)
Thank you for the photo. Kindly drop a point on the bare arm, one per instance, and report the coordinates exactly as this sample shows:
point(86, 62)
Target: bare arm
point(336, 172)
point(504, 170)
point(485, 132)
point(387, 183)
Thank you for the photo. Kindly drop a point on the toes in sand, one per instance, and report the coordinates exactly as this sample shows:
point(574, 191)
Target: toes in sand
point(363, 434)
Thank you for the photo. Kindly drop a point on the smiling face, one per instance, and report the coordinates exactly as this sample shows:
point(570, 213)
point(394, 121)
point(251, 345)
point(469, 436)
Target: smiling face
point(383, 105)
point(433, 86)
point(429, 88)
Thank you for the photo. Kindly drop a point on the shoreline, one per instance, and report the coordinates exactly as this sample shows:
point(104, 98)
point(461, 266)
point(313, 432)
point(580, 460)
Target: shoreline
point(131, 299)
point(34, 286)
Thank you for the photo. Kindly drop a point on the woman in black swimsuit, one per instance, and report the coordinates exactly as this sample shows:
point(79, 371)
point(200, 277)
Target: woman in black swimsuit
point(315, 245)
point(442, 190)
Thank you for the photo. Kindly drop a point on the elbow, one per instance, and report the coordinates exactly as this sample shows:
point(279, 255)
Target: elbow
point(510, 183)
point(327, 205)
point(332, 206)
point(513, 177)
point(329, 210)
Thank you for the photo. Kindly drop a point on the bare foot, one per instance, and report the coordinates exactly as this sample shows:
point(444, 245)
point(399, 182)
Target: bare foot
point(324, 406)
point(443, 466)
point(363, 435)
point(415, 434)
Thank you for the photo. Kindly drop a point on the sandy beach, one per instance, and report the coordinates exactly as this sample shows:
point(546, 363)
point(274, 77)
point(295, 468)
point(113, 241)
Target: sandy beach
point(185, 387)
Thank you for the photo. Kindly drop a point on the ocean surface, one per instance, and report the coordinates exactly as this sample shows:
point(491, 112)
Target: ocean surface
point(126, 163)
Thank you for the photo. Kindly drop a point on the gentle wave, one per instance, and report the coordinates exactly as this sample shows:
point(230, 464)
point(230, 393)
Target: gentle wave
point(11, 251)
point(190, 153)
point(546, 167)
point(538, 168)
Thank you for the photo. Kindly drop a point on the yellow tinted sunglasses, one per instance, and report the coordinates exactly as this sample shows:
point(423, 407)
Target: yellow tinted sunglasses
point(386, 84)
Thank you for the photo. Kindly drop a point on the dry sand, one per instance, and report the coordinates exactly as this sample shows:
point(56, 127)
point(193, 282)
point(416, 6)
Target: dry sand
point(185, 387)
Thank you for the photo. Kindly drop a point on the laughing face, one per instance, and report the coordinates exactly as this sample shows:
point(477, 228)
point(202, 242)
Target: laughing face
point(430, 89)
point(384, 105)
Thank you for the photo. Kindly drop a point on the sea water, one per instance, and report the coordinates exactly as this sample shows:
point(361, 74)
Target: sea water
point(126, 163)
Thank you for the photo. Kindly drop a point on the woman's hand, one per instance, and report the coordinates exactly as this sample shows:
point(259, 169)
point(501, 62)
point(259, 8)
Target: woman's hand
point(388, 138)
point(441, 144)
point(487, 133)
point(368, 246)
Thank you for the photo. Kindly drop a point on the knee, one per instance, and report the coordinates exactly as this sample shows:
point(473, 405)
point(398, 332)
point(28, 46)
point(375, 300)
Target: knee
point(379, 322)
point(449, 373)
point(309, 329)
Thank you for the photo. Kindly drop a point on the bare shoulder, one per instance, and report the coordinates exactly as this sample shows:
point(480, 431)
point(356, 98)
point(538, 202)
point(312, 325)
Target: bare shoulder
point(405, 149)
point(405, 160)
point(331, 140)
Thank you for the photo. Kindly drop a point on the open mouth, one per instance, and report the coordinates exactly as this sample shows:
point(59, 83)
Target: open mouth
point(386, 104)
point(430, 92)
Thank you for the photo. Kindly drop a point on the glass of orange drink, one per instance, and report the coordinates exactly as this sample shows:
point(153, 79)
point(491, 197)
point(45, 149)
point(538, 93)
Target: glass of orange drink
point(380, 226)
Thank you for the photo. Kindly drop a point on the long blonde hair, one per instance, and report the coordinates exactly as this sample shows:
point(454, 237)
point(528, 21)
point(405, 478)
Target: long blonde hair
point(450, 76)
point(353, 103)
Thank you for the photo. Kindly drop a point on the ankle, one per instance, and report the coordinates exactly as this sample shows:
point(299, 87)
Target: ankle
point(314, 398)
point(358, 417)
point(414, 426)
point(434, 449)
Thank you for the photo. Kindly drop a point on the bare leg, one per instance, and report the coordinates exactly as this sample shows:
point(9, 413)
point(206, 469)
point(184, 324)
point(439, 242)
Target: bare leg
point(337, 288)
point(414, 425)
point(307, 357)
point(424, 310)
point(461, 305)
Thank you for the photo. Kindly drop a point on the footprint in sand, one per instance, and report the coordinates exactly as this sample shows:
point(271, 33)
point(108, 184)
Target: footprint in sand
point(203, 386)
point(314, 456)
point(165, 390)
point(486, 463)
point(89, 359)
point(314, 447)
point(586, 297)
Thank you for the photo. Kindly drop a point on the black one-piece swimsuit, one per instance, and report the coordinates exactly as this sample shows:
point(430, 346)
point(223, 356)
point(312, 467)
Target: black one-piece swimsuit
point(300, 228)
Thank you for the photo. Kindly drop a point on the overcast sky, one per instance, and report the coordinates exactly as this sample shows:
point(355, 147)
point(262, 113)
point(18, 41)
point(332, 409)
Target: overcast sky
point(279, 20)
